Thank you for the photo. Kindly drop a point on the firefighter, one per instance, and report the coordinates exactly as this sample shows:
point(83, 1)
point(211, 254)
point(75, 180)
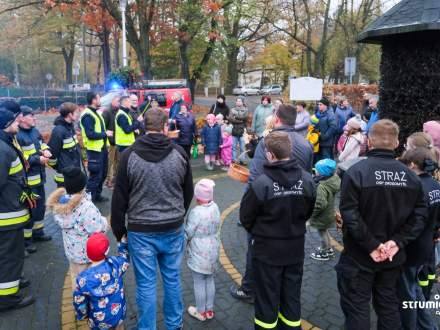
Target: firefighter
point(14, 215)
point(125, 126)
point(94, 137)
point(63, 143)
point(274, 210)
point(37, 154)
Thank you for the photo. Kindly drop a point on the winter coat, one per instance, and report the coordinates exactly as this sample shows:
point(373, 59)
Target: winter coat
point(188, 131)
point(238, 118)
point(259, 119)
point(220, 108)
point(64, 157)
point(419, 252)
point(302, 152)
point(381, 200)
point(99, 294)
point(313, 138)
point(326, 127)
point(202, 232)
point(226, 150)
point(323, 216)
point(342, 115)
point(154, 187)
point(175, 109)
point(352, 147)
point(211, 139)
point(374, 116)
point(275, 209)
point(302, 122)
point(79, 218)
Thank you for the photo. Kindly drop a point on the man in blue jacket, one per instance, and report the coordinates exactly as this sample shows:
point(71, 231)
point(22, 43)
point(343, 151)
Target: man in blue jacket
point(175, 107)
point(327, 129)
point(302, 153)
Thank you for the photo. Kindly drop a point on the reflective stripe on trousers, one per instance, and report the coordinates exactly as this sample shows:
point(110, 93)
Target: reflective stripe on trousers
point(27, 233)
point(289, 323)
point(9, 288)
point(34, 180)
point(266, 325)
point(38, 225)
point(16, 166)
point(14, 218)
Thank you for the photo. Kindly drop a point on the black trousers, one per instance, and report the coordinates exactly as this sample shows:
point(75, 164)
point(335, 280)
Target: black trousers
point(357, 285)
point(35, 227)
point(11, 261)
point(277, 295)
point(97, 166)
point(247, 283)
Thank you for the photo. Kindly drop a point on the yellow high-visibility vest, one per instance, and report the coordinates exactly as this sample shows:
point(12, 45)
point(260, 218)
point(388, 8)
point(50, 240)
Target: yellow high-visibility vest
point(121, 138)
point(94, 145)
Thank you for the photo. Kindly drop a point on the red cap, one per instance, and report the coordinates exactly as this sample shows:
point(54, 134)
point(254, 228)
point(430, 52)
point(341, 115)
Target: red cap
point(97, 246)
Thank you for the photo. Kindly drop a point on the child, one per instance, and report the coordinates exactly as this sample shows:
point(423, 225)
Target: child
point(226, 148)
point(78, 218)
point(202, 232)
point(274, 210)
point(313, 135)
point(220, 122)
point(211, 141)
point(99, 291)
point(415, 280)
point(270, 124)
point(323, 215)
point(354, 141)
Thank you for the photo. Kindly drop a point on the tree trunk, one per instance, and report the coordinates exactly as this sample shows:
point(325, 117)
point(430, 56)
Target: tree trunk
point(106, 57)
point(68, 60)
point(232, 73)
point(116, 58)
point(98, 70)
point(184, 61)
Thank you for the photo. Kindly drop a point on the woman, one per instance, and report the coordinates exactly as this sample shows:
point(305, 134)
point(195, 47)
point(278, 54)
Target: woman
point(354, 140)
point(302, 119)
point(238, 118)
point(262, 111)
point(220, 107)
point(277, 104)
point(186, 123)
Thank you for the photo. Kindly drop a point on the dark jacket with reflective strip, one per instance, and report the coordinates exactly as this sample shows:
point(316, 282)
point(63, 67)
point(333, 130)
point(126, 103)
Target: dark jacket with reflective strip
point(381, 200)
point(419, 252)
point(275, 209)
point(63, 145)
point(31, 143)
point(13, 214)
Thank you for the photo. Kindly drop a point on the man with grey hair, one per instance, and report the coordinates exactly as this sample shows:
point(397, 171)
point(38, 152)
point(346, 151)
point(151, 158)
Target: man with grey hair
point(177, 103)
point(372, 114)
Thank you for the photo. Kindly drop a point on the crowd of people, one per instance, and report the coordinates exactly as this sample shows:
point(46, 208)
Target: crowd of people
point(389, 208)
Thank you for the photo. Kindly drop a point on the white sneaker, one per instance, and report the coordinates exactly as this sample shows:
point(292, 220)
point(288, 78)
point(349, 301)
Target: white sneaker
point(194, 313)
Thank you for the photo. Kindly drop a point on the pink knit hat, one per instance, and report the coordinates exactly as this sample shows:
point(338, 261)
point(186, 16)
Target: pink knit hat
point(204, 190)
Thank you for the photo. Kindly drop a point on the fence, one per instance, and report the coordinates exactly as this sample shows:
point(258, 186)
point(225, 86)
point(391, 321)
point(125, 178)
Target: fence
point(43, 99)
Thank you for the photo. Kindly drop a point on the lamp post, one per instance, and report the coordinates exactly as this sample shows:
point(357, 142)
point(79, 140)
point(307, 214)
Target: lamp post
point(122, 7)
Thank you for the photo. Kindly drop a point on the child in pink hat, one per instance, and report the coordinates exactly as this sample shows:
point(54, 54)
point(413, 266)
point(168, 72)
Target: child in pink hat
point(202, 232)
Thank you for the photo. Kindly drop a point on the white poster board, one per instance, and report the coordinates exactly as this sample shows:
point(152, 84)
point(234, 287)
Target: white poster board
point(306, 89)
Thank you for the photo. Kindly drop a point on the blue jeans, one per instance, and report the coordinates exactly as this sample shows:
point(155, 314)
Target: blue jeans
point(410, 290)
point(237, 140)
point(146, 251)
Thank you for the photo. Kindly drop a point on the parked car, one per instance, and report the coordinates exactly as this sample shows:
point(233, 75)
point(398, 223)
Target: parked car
point(272, 89)
point(245, 90)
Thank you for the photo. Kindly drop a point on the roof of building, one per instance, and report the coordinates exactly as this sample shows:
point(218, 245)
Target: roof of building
point(405, 17)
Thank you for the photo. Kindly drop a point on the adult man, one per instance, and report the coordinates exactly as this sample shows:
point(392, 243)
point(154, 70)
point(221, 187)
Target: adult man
point(327, 128)
point(14, 215)
point(94, 136)
point(63, 143)
point(37, 155)
point(153, 190)
point(175, 107)
point(113, 155)
point(343, 113)
point(125, 127)
point(302, 152)
point(383, 209)
point(372, 113)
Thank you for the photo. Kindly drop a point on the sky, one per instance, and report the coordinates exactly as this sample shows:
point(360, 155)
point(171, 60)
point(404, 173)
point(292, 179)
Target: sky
point(386, 3)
